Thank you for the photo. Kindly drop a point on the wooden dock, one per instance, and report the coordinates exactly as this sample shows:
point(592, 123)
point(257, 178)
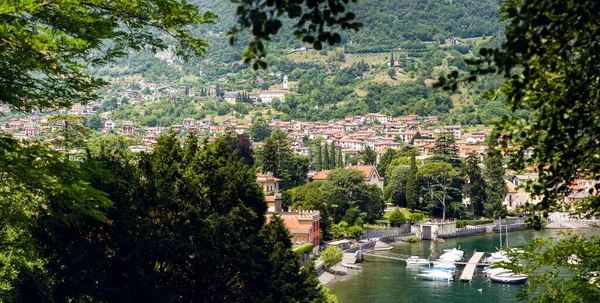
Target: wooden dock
point(467, 273)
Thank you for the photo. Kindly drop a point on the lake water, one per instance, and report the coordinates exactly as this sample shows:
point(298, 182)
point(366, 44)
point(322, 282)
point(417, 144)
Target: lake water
point(384, 280)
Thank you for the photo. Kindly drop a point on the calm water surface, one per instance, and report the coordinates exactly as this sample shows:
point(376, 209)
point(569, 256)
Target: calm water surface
point(383, 280)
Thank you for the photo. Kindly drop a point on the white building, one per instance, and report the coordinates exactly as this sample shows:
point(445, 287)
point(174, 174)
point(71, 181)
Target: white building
point(267, 96)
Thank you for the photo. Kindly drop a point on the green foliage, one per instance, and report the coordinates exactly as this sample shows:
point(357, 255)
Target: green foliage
point(331, 256)
point(559, 270)
point(332, 161)
point(461, 223)
point(260, 130)
point(412, 185)
point(303, 250)
point(319, 158)
point(495, 187)
point(355, 232)
point(397, 218)
point(277, 157)
point(438, 179)
point(70, 133)
point(385, 160)
point(445, 150)
point(94, 122)
point(339, 230)
point(345, 191)
point(368, 156)
point(310, 197)
point(315, 23)
point(475, 185)
point(397, 183)
point(416, 217)
point(412, 239)
point(47, 47)
point(326, 162)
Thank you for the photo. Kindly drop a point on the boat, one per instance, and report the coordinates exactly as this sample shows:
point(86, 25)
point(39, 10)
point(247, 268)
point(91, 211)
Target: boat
point(436, 275)
point(509, 278)
point(351, 266)
point(455, 251)
point(444, 266)
point(450, 257)
point(494, 271)
point(499, 256)
point(414, 260)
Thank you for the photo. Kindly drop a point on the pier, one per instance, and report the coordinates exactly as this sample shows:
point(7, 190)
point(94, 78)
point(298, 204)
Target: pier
point(469, 270)
point(385, 255)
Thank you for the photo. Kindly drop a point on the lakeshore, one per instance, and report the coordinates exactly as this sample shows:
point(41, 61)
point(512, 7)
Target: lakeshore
point(384, 280)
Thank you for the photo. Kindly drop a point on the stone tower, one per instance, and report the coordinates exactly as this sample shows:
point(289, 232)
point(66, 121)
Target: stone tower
point(285, 82)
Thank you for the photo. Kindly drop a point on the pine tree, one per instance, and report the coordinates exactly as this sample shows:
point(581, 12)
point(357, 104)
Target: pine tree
point(392, 60)
point(445, 150)
point(475, 188)
point(340, 159)
point(332, 160)
point(326, 158)
point(412, 185)
point(495, 186)
point(319, 160)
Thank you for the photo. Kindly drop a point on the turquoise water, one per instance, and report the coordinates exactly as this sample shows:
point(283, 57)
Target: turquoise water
point(384, 280)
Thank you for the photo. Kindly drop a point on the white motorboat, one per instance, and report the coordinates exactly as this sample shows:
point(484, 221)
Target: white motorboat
point(509, 278)
point(499, 256)
point(455, 251)
point(450, 257)
point(436, 275)
point(494, 271)
point(414, 260)
point(446, 266)
point(351, 266)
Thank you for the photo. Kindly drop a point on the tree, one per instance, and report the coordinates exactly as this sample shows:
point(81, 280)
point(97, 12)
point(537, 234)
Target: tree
point(40, 71)
point(260, 130)
point(319, 160)
point(331, 256)
point(495, 190)
point(475, 186)
point(445, 150)
point(332, 160)
point(412, 185)
point(241, 144)
point(310, 197)
point(94, 122)
point(369, 157)
point(339, 230)
point(397, 218)
point(391, 72)
point(355, 232)
point(385, 160)
point(277, 157)
point(438, 178)
point(69, 133)
point(340, 159)
point(347, 195)
point(326, 164)
point(397, 183)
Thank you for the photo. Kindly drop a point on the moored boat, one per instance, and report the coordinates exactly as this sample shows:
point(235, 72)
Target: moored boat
point(414, 260)
point(436, 275)
point(351, 266)
point(508, 278)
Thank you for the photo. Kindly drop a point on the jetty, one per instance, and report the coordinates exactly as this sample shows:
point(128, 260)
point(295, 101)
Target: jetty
point(469, 270)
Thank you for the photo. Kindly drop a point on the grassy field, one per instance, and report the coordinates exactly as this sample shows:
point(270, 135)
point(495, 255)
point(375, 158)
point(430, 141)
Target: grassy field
point(406, 212)
point(369, 58)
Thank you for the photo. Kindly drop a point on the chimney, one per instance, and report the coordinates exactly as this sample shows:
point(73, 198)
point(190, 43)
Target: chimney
point(278, 202)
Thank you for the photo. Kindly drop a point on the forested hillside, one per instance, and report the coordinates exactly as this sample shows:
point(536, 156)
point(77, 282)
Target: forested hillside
point(426, 39)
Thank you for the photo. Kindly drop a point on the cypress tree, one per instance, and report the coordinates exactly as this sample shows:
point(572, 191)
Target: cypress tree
point(319, 160)
point(495, 186)
point(326, 158)
point(340, 159)
point(412, 185)
point(332, 163)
